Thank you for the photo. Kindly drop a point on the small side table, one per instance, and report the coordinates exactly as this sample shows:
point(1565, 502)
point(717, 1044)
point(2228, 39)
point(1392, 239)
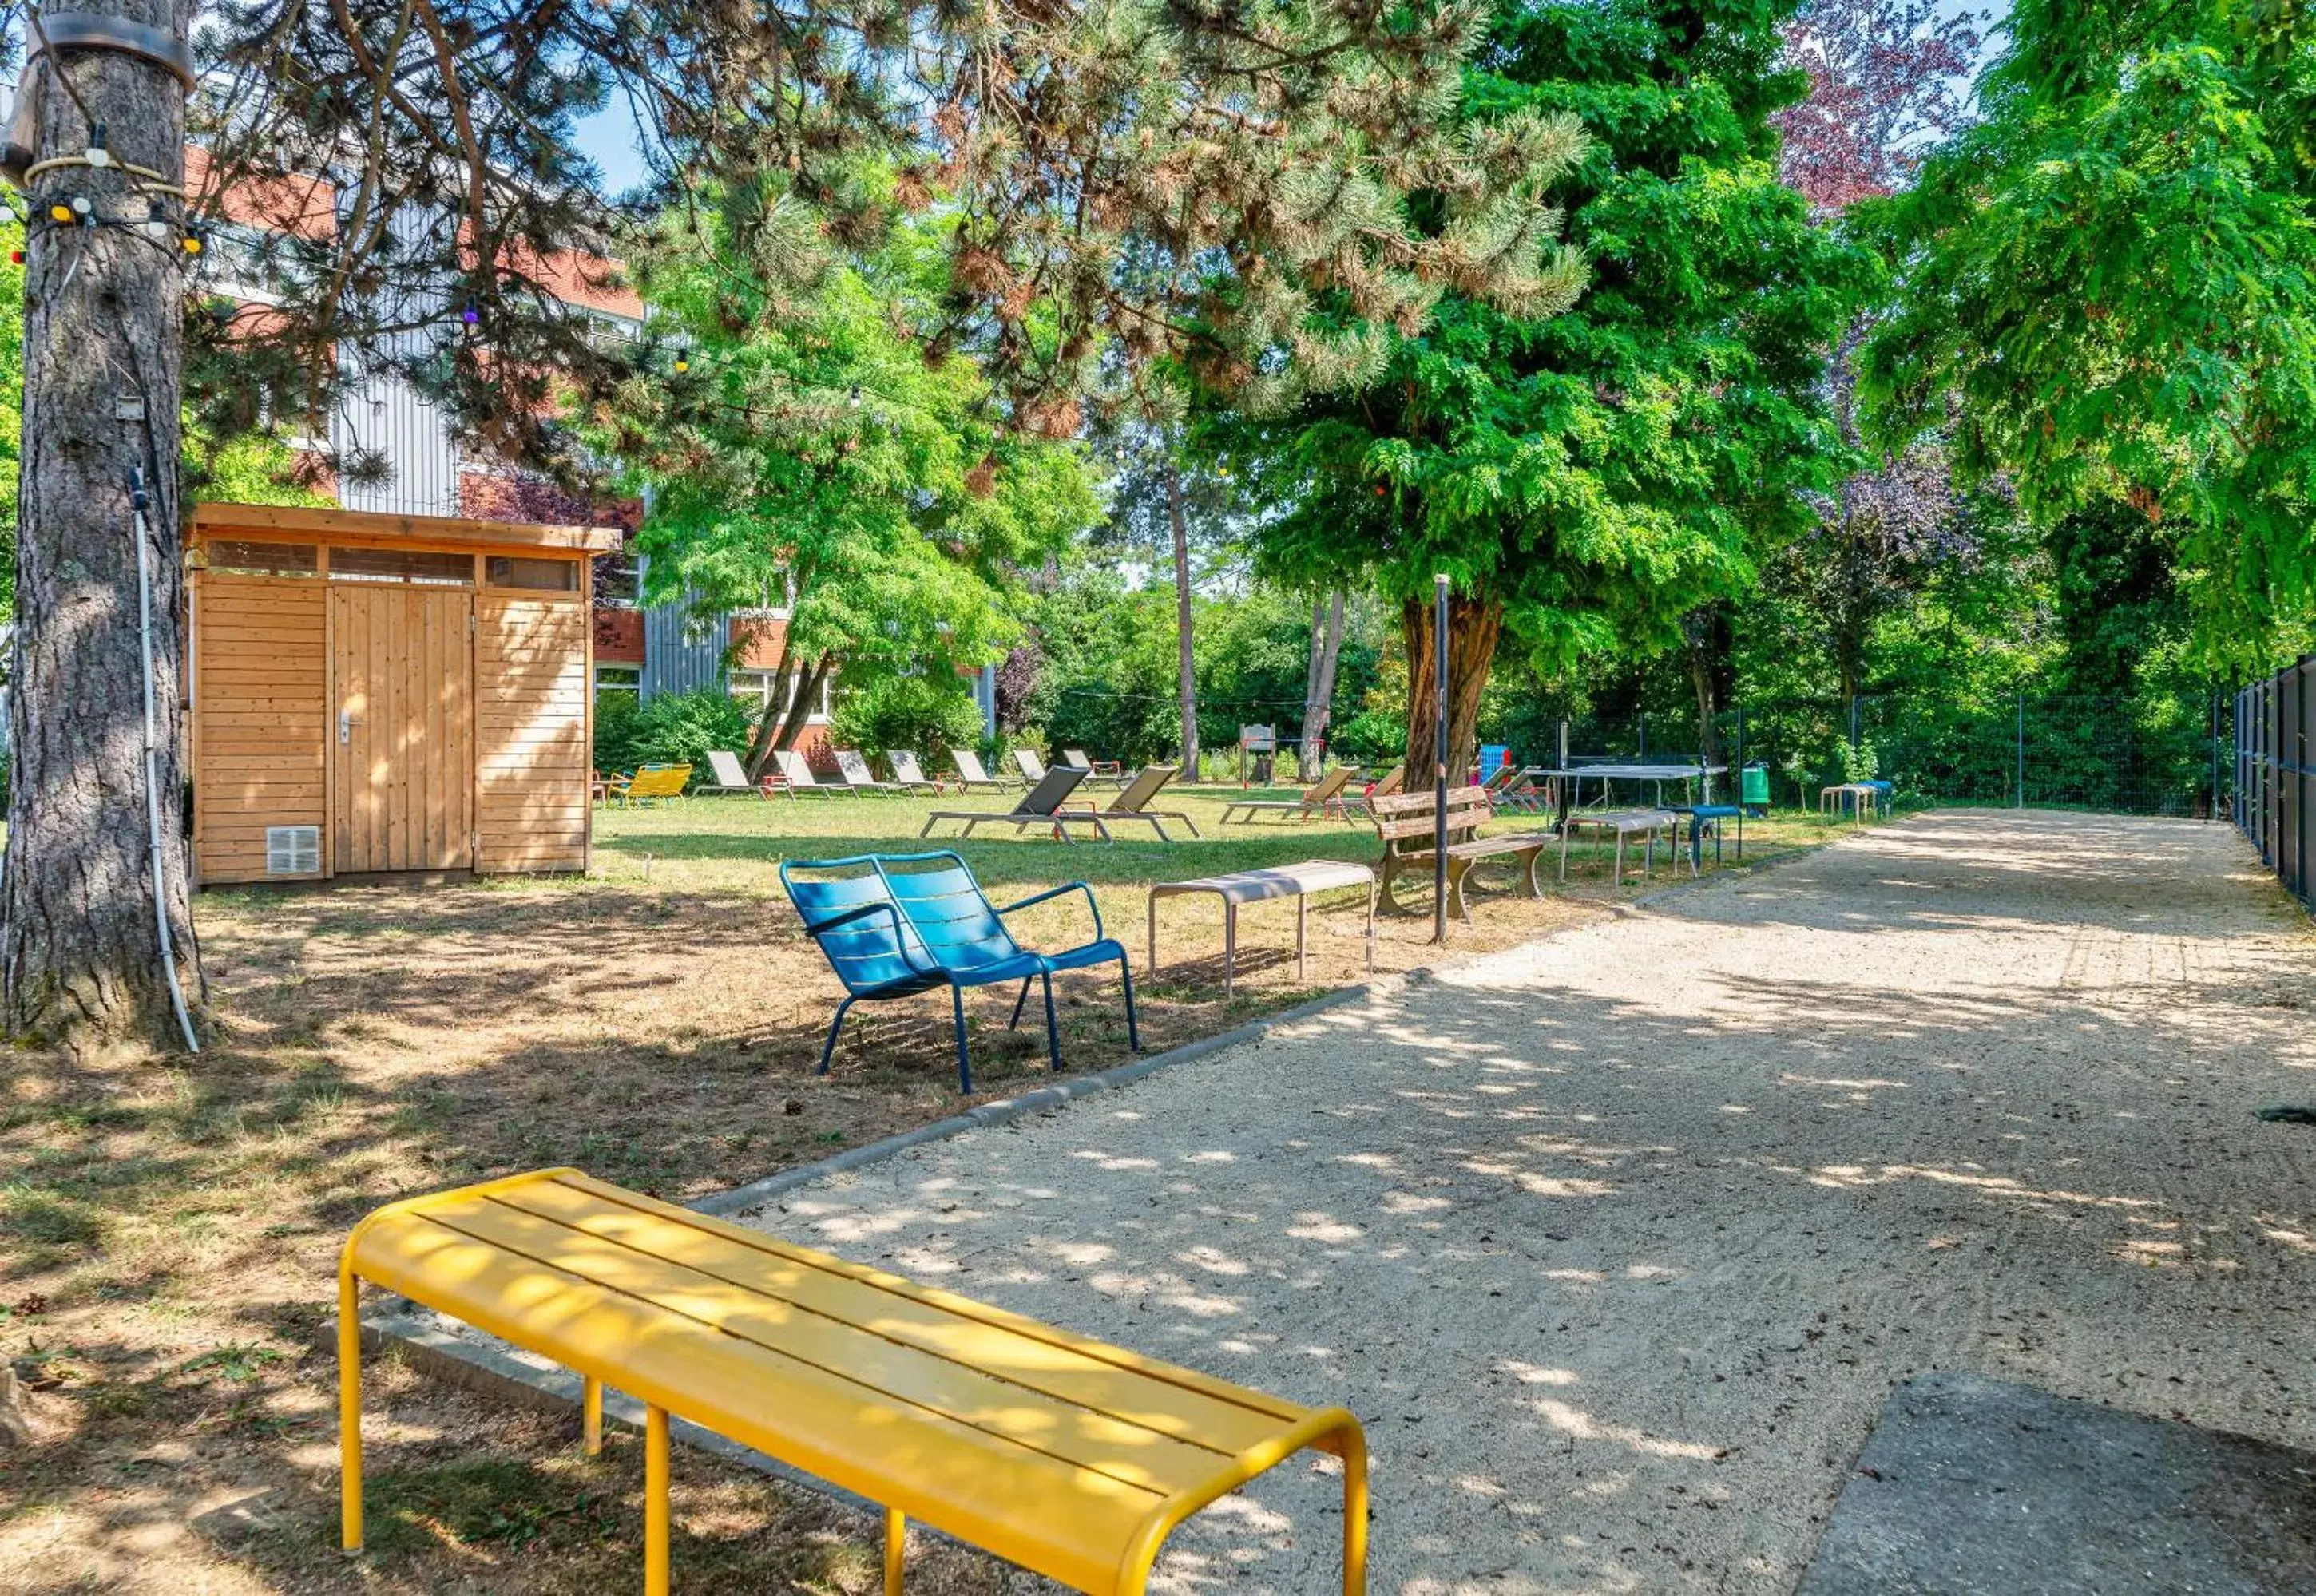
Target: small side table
point(1297, 882)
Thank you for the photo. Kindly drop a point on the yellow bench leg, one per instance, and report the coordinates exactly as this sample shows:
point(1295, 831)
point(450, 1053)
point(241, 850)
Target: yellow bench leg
point(654, 1502)
point(1355, 1513)
point(590, 1414)
point(350, 1458)
point(896, 1534)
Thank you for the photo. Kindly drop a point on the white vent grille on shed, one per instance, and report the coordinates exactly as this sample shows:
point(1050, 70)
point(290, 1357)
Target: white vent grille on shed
point(293, 850)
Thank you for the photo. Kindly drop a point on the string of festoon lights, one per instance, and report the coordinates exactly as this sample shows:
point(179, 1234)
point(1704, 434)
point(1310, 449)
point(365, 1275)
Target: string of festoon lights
point(52, 208)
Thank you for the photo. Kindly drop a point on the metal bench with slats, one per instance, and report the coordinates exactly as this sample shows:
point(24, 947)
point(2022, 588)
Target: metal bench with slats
point(1070, 1458)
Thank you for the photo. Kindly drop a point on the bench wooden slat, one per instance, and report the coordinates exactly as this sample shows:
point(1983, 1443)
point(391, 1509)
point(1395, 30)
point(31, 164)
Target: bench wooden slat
point(892, 1309)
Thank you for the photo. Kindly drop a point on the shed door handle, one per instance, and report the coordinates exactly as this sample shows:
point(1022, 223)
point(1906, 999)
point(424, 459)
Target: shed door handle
point(346, 724)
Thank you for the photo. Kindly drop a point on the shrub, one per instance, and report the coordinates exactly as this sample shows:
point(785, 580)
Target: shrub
point(681, 728)
point(617, 716)
point(1371, 737)
point(928, 714)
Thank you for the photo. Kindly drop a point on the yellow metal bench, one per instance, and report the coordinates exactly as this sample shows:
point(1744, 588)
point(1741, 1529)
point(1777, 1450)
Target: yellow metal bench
point(1072, 1458)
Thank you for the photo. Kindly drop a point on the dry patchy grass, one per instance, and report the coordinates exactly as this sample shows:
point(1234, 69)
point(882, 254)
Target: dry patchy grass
point(168, 1231)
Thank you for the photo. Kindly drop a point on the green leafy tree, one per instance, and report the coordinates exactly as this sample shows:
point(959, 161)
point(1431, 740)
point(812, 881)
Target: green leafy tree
point(2110, 280)
point(1588, 478)
point(798, 450)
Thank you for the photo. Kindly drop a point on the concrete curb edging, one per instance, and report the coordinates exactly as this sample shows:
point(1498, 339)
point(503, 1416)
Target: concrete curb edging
point(1004, 1110)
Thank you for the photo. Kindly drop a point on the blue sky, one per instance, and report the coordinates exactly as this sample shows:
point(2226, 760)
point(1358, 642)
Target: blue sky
point(608, 140)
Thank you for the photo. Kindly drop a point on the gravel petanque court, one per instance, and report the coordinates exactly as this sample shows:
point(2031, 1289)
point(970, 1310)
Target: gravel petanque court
point(1618, 1242)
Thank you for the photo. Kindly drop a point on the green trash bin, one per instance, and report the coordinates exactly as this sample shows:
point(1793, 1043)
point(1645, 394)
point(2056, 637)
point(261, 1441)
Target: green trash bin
point(1753, 789)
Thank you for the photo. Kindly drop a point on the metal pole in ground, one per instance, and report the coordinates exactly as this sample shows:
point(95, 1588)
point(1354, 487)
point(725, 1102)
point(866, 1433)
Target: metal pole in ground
point(2214, 813)
point(1737, 769)
point(1440, 772)
point(2022, 752)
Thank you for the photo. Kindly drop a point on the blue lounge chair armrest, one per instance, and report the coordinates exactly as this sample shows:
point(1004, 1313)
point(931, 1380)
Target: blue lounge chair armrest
point(1057, 892)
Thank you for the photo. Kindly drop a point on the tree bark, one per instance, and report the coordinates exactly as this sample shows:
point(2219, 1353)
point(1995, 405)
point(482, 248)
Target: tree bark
point(766, 737)
point(1186, 666)
point(80, 965)
point(800, 707)
point(1319, 689)
point(1473, 625)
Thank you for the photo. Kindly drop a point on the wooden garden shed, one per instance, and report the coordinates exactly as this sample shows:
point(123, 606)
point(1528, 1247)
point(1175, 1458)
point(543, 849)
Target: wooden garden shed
point(373, 693)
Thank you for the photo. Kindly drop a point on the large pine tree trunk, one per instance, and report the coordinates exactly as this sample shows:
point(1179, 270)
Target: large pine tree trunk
point(1186, 669)
point(103, 371)
point(1319, 685)
point(1473, 625)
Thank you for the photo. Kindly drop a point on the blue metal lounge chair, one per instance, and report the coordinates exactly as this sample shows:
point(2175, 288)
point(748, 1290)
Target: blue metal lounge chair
point(901, 924)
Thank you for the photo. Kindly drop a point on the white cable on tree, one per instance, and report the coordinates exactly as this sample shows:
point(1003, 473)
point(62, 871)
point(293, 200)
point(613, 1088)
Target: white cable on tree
point(137, 499)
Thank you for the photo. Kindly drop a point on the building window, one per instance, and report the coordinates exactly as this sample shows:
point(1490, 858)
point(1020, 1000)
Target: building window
point(754, 688)
point(618, 679)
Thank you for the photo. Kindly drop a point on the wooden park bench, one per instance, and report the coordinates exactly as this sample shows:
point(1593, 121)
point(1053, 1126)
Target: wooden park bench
point(1069, 1458)
point(1406, 823)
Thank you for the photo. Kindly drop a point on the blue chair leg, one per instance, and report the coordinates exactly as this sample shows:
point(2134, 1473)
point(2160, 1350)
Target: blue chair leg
point(1133, 1031)
point(828, 1048)
point(1053, 1026)
point(1015, 1023)
point(963, 1059)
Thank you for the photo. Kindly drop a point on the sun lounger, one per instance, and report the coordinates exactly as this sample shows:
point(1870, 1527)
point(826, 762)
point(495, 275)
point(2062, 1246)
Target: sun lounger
point(1097, 770)
point(907, 773)
point(795, 776)
point(1041, 805)
point(1133, 804)
point(973, 778)
point(860, 778)
point(1325, 797)
point(1032, 769)
point(725, 766)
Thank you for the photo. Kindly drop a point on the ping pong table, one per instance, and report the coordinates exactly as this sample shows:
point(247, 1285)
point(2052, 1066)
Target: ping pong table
point(1568, 791)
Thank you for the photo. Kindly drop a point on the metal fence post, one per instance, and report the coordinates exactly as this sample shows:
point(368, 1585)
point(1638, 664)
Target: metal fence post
point(2022, 751)
point(1440, 777)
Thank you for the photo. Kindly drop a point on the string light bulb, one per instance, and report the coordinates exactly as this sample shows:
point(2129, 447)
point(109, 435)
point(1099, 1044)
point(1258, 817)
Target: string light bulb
point(683, 364)
point(60, 212)
point(156, 221)
point(193, 243)
point(854, 403)
point(96, 155)
point(469, 314)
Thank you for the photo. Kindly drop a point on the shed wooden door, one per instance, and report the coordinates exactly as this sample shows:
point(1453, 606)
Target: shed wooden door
point(401, 668)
